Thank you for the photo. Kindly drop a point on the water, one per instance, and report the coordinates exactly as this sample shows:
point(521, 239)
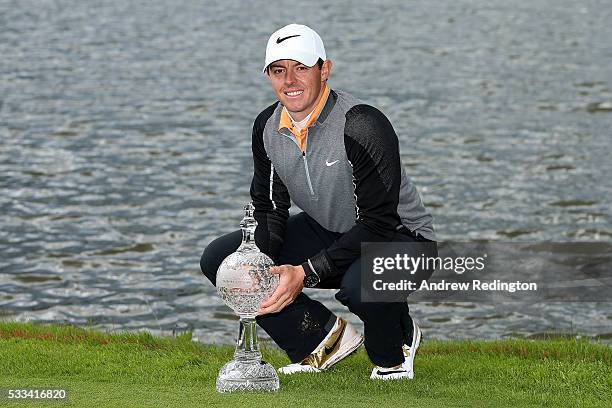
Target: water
point(125, 144)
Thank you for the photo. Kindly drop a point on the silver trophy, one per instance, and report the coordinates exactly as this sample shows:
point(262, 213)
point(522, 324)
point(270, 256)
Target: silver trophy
point(244, 282)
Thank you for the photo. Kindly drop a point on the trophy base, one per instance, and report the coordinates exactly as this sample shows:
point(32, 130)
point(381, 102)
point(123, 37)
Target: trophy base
point(239, 376)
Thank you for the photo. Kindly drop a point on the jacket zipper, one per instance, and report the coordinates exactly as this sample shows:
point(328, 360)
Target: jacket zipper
point(307, 174)
point(292, 137)
point(312, 193)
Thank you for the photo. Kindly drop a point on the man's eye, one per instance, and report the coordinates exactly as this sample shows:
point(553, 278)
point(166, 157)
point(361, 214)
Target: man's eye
point(302, 68)
point(277, 71)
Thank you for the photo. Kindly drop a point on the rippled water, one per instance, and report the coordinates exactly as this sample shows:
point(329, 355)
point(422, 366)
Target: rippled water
point(125, 144)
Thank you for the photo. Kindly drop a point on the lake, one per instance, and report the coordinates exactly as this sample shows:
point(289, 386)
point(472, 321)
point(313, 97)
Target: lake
point(125, 145)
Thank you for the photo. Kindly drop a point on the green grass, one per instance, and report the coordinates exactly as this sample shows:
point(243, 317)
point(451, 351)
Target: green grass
point(141, 370)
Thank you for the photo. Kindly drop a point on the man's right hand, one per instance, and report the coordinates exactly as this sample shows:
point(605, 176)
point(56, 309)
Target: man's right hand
point(290, 286)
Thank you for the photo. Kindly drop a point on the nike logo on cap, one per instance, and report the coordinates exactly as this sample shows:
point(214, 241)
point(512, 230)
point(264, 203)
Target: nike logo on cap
point(331, 164)
point(280, 40)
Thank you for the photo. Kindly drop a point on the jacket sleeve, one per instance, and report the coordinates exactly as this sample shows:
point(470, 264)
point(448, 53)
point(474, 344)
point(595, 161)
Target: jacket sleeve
point(268, 193)
point(372, 149)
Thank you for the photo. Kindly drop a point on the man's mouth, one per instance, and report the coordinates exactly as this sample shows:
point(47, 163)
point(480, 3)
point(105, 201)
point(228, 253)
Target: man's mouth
point(294, 93)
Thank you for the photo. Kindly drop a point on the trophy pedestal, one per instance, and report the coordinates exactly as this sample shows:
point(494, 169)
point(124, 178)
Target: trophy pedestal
point(247, 371)
point(247, 376)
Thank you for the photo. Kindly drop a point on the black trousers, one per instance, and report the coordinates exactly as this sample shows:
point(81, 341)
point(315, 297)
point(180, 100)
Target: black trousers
point(301, 326)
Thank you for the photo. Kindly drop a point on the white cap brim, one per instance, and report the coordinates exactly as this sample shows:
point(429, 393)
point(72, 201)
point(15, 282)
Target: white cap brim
point(305, 58)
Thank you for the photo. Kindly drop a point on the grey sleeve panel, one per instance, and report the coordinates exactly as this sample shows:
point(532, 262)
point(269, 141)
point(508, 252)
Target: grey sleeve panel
point(372, 149)
point(269, 194)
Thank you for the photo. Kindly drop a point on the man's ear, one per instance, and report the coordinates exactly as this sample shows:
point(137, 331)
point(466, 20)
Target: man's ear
point(326, 70)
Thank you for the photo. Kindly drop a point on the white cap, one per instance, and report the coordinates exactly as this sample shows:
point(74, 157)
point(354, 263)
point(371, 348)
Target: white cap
point(295, 42)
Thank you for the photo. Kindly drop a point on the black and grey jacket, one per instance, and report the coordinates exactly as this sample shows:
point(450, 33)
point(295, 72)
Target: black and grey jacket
point(349, 178)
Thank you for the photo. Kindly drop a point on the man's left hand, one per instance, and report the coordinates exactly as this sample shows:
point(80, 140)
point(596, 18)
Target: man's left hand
point(290, 285)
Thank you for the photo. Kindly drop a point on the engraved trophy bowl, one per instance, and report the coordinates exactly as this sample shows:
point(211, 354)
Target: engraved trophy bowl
point(244, 282)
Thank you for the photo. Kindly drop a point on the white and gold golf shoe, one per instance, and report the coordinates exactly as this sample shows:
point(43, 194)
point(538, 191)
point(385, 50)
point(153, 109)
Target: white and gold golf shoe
point(341, 341)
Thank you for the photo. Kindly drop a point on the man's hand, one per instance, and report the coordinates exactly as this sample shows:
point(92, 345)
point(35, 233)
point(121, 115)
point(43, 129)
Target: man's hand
point(290, 285)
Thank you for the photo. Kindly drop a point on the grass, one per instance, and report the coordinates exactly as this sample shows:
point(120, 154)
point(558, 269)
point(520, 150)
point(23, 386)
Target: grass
point(141, 370)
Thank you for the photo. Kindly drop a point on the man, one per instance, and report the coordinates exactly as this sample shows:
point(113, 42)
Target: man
point(338, 160)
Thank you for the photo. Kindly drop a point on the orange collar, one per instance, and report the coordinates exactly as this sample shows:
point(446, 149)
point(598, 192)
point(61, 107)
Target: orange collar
point(285, 119)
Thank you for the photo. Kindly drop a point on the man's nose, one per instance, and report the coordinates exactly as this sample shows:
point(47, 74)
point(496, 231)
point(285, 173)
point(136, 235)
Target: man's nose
point(289, 77)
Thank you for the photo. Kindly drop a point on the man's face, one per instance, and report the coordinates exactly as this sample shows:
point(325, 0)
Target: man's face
point(297, 86)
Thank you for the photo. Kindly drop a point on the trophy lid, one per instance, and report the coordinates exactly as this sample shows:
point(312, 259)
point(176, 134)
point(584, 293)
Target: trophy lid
point(248, 221)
